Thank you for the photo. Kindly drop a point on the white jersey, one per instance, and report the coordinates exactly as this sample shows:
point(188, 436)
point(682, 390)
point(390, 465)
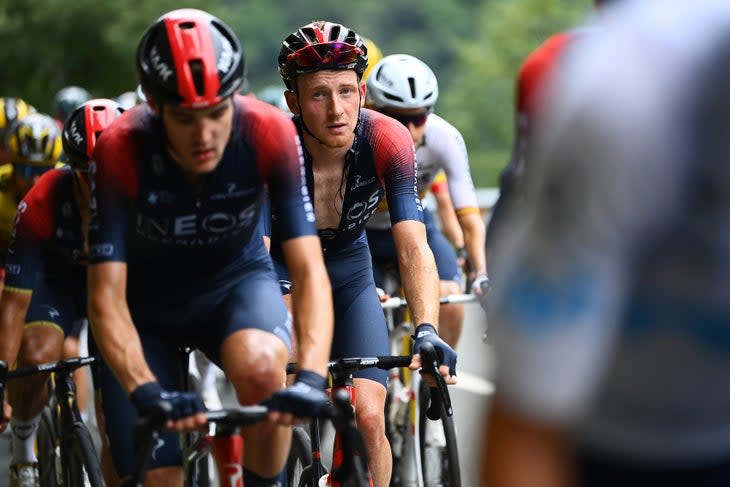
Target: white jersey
point(443, 148)
point(610, 312)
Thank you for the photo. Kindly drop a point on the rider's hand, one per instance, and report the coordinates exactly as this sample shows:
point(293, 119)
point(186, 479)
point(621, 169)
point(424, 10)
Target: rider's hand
point(426, 332)
point(479, 285)
point(188, 408)
point(304, 399)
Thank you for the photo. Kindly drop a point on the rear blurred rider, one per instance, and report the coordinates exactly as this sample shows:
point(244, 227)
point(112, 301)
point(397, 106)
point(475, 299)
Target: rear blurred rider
point(177, 255)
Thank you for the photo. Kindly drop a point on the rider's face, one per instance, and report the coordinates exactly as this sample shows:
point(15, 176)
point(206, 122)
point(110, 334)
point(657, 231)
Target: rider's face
point(329, 102)
point(197, 138)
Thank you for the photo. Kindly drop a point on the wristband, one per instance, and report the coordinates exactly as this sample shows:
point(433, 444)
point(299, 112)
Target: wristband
point(312, 379)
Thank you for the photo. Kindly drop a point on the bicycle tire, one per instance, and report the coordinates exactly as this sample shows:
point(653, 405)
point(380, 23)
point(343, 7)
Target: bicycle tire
point(83, 463)
point(47, 446)
point(300, 455)
point(447, 457)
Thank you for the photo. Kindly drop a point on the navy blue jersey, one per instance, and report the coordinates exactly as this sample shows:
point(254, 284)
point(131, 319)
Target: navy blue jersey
point(146, 213)
point(47, 236)
point(381, 163)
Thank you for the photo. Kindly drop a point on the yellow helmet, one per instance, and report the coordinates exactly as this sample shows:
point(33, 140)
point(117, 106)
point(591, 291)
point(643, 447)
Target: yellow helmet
point(12, 109)
point(374, 57)
point(34, 141)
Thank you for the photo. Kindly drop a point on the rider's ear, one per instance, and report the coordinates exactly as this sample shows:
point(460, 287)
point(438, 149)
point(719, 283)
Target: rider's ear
point(291, 101)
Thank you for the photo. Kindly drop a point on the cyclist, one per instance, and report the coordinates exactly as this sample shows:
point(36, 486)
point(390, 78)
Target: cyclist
point(34, 146)
point(11, 109)
point(352, 157)
point(611, 313)
point(405, 88)
point(176, 256)
point(46, 282)
point(66, 101)
point(532, 79)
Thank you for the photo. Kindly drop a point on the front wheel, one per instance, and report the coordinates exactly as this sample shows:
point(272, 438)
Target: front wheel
point(49, 451)
point(300, 456)
point(439, 451)
point(83, 467)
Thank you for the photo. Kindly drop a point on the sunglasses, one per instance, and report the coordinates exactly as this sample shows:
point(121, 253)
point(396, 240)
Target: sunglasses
point(417, 119)
point(317, 56)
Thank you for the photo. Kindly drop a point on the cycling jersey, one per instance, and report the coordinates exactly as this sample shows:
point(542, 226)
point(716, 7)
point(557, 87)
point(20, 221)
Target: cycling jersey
point(147, 214)
point(611, 313)
point(532, 81)
point(442, 148)
point(380, 162)
point(46, 256)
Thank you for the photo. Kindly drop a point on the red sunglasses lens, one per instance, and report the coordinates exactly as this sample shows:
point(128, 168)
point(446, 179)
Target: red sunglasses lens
point(330, 54)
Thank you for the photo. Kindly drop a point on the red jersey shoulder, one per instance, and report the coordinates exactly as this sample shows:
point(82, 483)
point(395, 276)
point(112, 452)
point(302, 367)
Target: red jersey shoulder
point(537, 68)
point(384, 133)
point(262, 119)
point(34, 219)
point(116, 153)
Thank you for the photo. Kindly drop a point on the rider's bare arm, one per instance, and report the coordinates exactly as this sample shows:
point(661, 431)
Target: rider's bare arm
point(418, 271)
point(112, 325)
point(474, 235)
point(13, 308)
point(312, 302)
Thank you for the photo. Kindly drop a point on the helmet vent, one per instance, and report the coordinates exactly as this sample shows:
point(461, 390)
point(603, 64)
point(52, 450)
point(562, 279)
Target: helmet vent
point(186, 25)
point(390, 96)
point(196, 69)
point(412, 85)
point(335, 33)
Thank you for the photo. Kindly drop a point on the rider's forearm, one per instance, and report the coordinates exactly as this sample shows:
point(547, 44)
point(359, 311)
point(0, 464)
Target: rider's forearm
point(117, 337)
point(311, 302)
point(449, 223)
point(474, 235)
point(313, 316)
point(420, 281)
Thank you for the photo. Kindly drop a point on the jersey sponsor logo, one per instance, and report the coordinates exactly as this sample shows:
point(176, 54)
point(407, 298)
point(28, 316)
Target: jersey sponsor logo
point(360, 211)
point(164, 197)
point(159, 444)
point(53, 313)
point(234, 472)
point(233, 192)
point(361, 183)
point(101, 250)
point(13, 269)
point(75, 134)
point(163, 70)
point(308, 206)
point(194, 230)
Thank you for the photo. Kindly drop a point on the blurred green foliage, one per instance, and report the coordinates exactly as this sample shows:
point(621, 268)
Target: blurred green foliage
point(474, 46)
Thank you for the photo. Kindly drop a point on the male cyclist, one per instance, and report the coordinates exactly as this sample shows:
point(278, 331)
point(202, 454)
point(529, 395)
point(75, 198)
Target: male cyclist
point(353, 157)
point(611, 316)
point(11, 109)
point(176, 255)
point(405, 88)
point(45, 292)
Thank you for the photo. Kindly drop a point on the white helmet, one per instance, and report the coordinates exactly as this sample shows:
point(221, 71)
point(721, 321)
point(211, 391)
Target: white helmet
point(402, 81)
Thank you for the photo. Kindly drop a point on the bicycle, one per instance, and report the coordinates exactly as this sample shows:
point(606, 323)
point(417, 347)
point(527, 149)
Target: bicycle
point(199, 464)
point(230, 419)
point(341, 380)
point(66, 452)
point(419, 459)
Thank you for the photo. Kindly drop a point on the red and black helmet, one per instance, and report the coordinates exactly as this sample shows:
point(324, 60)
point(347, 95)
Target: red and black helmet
point(189, 58)
point(321, 45)
point(84, 126)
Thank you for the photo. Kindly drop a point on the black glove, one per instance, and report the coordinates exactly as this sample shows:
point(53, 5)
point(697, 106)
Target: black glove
point(426, 332)
point(184, 404)
point(304, 399)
